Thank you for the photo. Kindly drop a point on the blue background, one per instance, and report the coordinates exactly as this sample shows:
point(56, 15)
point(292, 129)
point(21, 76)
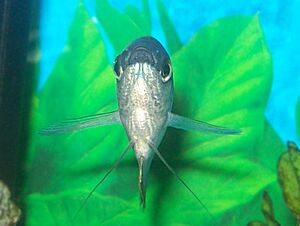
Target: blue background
point(279, 19)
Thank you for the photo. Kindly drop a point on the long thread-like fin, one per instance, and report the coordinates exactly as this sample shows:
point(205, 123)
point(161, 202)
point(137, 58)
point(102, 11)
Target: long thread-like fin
point(184, 123)
point(104, 177)
point(82, 123)
point(179, 179)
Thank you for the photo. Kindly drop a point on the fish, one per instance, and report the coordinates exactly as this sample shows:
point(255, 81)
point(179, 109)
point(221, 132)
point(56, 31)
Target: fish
point(145, 93)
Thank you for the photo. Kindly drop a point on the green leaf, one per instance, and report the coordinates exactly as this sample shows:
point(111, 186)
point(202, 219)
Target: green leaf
point(221, 183)
point(270, 143)
point(123, 27)
point(228, 81)
point(172, 38)
point(82, 83)
point(266, 153)
point(142, 19)
point(223, 76)
point(256, 223)
point(58, 209)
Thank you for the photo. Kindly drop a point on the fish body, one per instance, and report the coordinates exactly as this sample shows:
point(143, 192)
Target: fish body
point(145, 91)
point(145, 98)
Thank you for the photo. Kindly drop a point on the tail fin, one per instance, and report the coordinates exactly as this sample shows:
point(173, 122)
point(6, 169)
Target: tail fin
point(105, 176)
point(142, 185)
point(144, 166)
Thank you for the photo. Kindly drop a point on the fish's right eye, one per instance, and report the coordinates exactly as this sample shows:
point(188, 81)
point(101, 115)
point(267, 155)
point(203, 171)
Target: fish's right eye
point(118, 69)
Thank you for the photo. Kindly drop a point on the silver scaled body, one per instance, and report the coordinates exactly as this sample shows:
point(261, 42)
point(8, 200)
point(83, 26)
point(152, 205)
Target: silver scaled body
point(145, 98)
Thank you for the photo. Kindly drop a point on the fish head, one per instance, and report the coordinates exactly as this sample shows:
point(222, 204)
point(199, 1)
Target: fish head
point(144, 64)
point(145, 96)
point(144, 89)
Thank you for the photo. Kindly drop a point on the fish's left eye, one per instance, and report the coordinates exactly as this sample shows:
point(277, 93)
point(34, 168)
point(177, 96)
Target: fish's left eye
point(118, 69)
point(167, 72)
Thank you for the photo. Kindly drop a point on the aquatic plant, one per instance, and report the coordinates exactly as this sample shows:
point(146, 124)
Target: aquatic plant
point(288, 168)
point(222, 75)
point(288, 176)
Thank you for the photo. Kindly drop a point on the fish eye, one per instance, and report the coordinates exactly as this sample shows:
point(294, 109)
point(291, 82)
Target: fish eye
point(118, 69)
point(167, 72)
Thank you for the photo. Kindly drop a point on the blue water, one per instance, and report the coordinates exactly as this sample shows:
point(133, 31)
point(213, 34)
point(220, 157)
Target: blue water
point(279, 21)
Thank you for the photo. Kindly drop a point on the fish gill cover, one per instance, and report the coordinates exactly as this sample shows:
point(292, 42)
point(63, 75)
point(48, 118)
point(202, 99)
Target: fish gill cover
point(222, 76)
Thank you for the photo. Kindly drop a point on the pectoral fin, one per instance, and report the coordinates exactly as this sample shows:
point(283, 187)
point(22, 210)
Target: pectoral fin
point(180, 122)
point(82, 123)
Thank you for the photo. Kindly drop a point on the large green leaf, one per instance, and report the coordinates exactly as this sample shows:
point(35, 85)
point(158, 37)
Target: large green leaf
point(268, 151)
point(172, 38)
point(82, 83)
point(228, 75)
point(59, 209)
point(223, 75)
point(123, 28)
